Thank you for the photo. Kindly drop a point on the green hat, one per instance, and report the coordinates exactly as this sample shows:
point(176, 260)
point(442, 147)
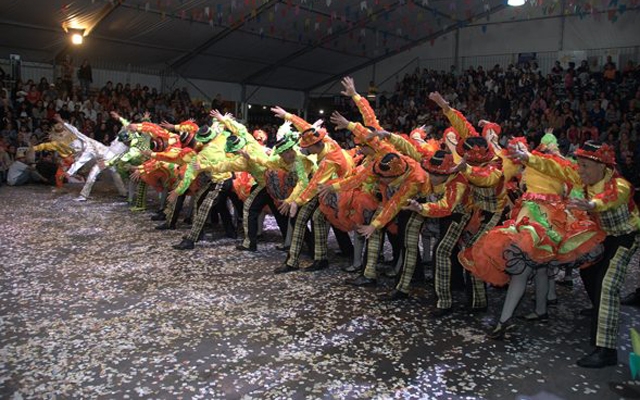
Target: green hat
point(204, 134)
point(235, 143)
point(288, 141)
point(549, 139)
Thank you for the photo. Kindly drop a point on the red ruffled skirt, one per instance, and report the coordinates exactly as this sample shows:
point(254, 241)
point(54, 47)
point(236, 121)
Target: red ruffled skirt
point(544, 233)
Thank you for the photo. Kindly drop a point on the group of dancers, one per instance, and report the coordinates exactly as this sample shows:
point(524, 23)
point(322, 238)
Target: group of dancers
point(507, 215)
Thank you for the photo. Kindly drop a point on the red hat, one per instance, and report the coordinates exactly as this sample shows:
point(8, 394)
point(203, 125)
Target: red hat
point(189, 125)
point(260, 136)
point(599, 152)
point(491, 126)
point(312, 136)
point(475, 150)
point(441, 163)
point(390, 165)
point(419, 132)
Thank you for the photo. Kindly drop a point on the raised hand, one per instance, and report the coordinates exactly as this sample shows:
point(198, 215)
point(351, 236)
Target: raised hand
point(114, 115)
point(279, 112)
point(166, 125)
point(349, 86)
point(146, 116)
point(217, 115)
point(437, 98)
point(338, 120)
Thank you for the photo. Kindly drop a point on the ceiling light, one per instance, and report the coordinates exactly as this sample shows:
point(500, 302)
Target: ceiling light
point(515, 3)
point(321, 112)
point(249, 106)
point(76, 38)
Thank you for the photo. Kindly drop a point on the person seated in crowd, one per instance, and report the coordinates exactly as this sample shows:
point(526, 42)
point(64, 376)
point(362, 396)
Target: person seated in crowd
point(23, 170)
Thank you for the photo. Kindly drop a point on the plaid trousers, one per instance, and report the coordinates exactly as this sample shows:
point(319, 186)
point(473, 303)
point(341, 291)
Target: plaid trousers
point(411, 238)
point(320, 235)
point(374, 245)
point(603, 282)
point(203, 209)
point(450, 229)
point(299, 228)
point(141, 195)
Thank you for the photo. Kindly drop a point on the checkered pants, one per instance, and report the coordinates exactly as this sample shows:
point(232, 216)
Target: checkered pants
point(141, 196)
point(299, 228)
point(603, 282)
point(450, 229)
point(374, 245)
point(203, 209)
point(411, 238)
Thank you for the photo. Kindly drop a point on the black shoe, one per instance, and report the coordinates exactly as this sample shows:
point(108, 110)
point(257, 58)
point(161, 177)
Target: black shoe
point(164, 227)
point(186, 244)
point(632, 299)
point(231, 235)
point(531, 317)
point(440, 312)
point(587, 312)
point(393, 295)
point(317, 266)
point(501, 329)
point(352, 269)
point(553, 302)
point(188, 221)
point(160, 216)
point(242, 248)
point(600, 358)
point(284, 268)
point(282, 248)
point(361, 281)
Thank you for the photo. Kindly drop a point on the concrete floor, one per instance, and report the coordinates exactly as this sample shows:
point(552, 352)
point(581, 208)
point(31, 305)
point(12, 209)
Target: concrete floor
point(94, 303)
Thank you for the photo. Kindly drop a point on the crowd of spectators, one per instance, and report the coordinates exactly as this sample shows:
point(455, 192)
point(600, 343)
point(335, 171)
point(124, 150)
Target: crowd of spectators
point(579, 103)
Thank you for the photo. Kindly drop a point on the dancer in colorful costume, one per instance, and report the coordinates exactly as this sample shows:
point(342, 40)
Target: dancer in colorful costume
point(94, 150)
point(333, 162)
point(540, 235)
point(66, 145)
point(609, 199)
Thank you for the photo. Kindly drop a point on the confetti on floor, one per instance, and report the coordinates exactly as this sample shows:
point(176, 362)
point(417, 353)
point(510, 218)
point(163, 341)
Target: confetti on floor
point(94, 303)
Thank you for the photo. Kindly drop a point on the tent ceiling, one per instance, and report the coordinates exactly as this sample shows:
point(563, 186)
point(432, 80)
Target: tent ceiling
point(294, 44)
